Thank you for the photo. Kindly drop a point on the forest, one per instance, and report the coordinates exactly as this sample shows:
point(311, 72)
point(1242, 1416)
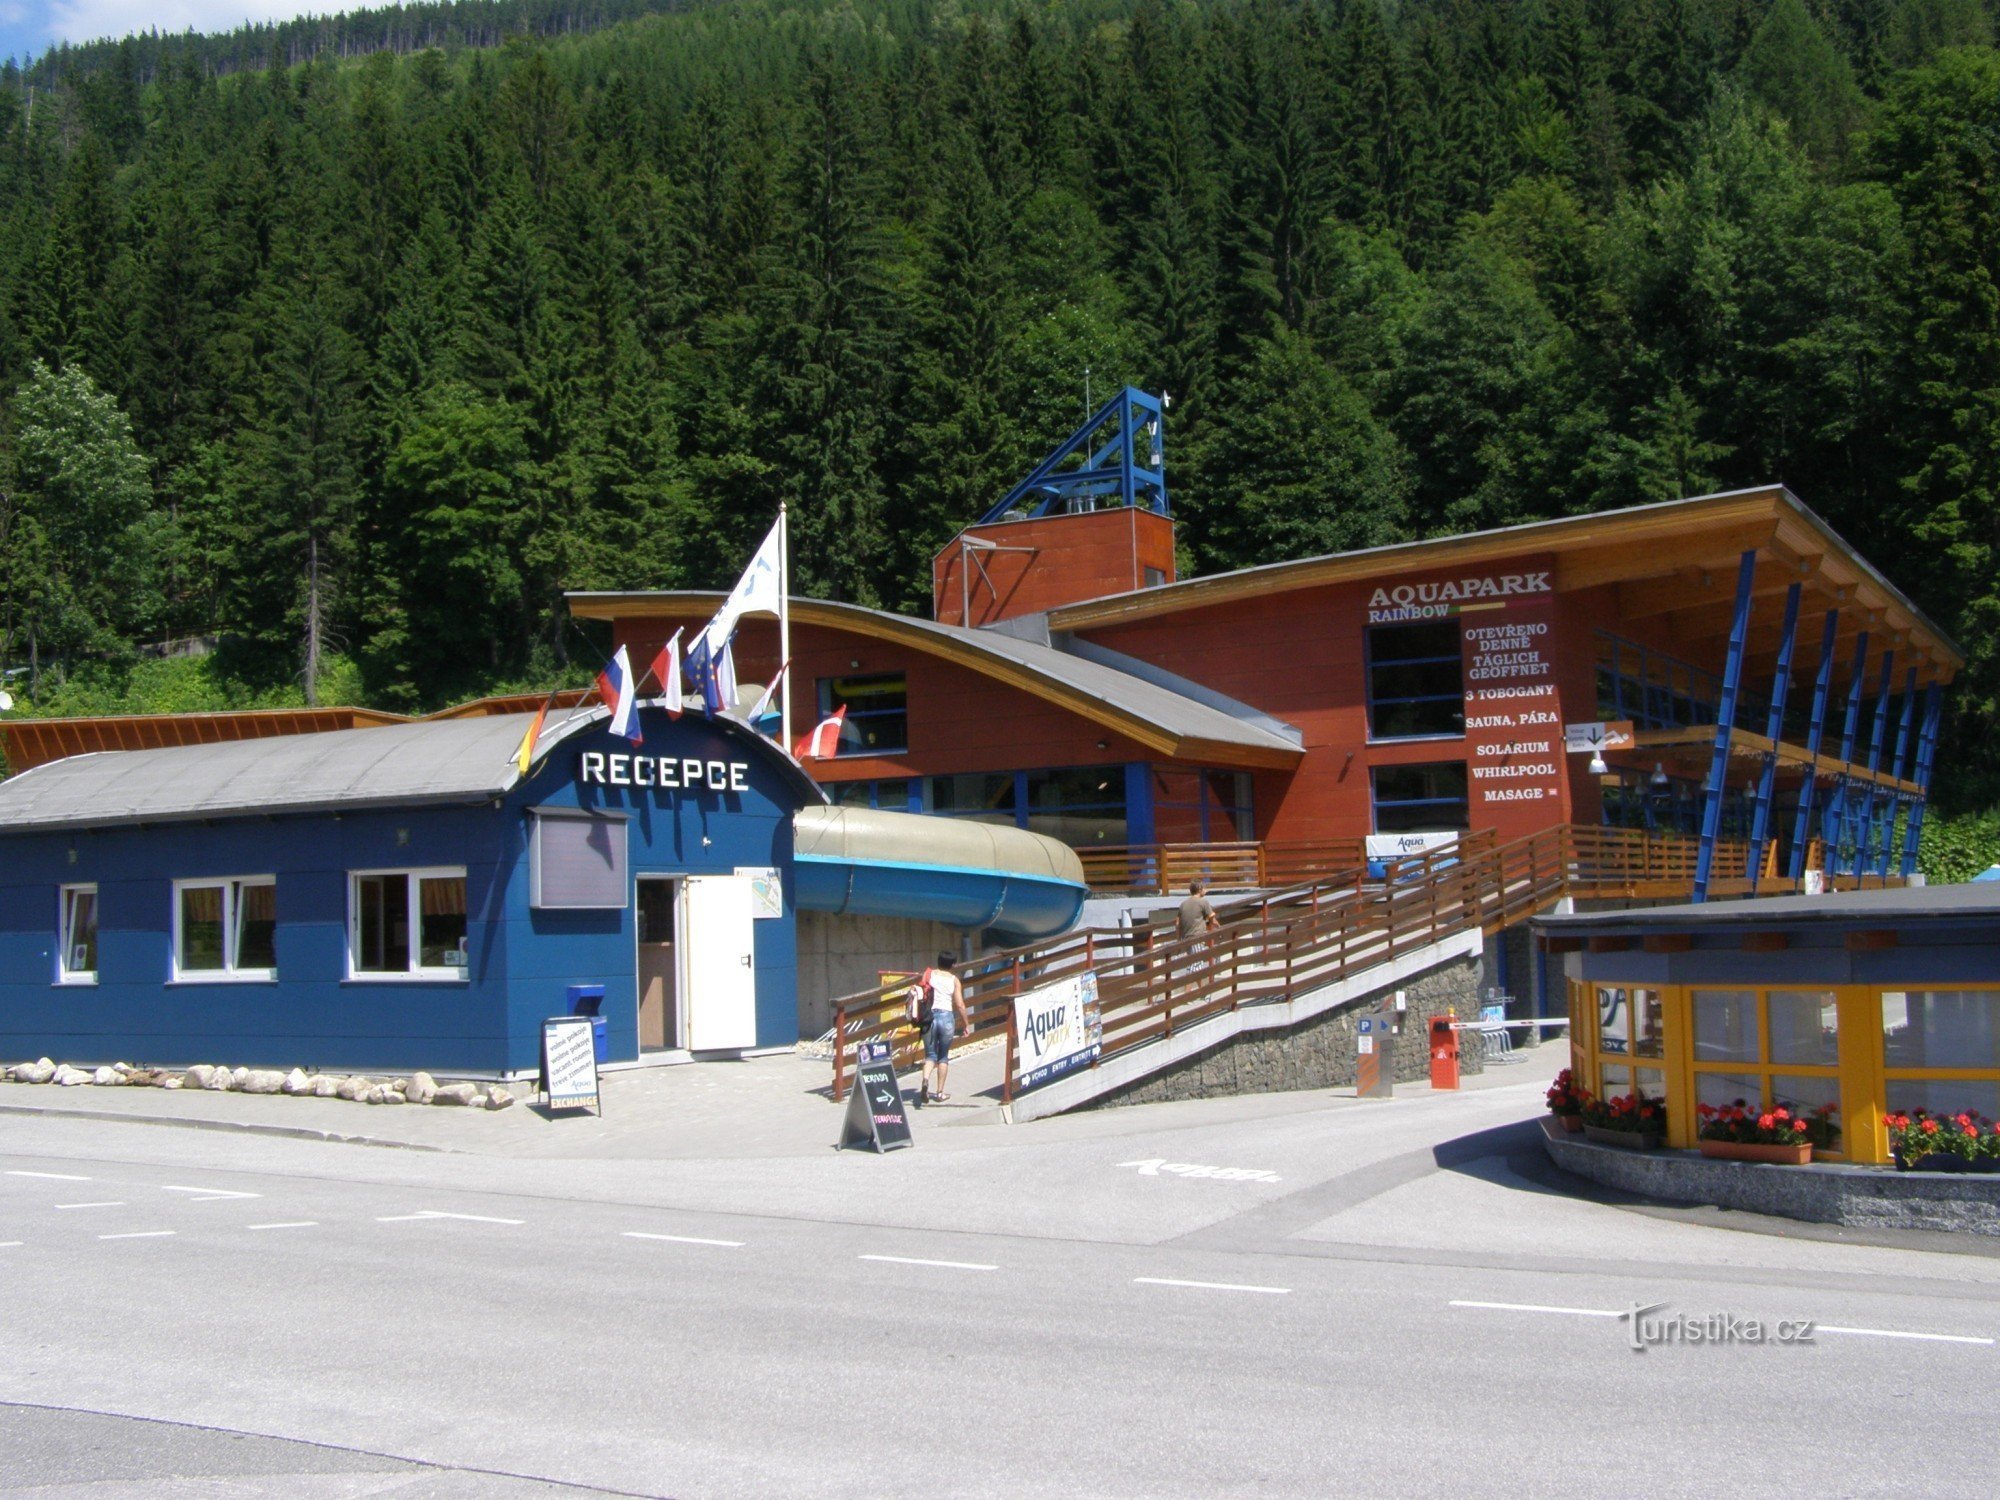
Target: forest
point(353, 359)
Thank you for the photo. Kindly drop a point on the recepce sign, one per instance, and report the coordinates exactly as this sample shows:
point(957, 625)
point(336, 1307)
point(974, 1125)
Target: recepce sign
point(669, 773)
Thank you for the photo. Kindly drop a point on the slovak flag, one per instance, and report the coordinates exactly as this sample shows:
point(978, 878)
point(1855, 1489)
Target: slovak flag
point(620, 692)
point(824, 742)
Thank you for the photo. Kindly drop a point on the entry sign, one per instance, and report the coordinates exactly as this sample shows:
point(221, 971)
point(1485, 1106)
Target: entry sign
point(1582, 739)
point(875, 1114)
point(569, 1063)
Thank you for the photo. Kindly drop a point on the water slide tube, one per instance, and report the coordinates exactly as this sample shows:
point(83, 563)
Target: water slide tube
point(866, 862)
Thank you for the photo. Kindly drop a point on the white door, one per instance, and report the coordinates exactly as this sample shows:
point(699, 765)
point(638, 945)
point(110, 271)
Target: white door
point(720, 995)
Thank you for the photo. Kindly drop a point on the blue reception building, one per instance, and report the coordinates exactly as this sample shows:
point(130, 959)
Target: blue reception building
point(390, 898)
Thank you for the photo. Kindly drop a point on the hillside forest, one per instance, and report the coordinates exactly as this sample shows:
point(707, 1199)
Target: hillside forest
point(355, 355)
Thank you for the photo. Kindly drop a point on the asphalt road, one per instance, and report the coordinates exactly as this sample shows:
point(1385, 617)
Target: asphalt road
point(1311, 1301)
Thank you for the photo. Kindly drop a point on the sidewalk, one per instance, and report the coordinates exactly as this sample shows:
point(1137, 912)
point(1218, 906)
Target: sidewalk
point(773, 1106)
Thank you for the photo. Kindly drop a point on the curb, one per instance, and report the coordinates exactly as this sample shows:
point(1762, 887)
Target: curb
point(283, 1132)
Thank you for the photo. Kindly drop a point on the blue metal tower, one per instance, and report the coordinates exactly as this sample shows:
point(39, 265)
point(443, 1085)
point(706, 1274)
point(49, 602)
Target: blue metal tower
point(1113, 471)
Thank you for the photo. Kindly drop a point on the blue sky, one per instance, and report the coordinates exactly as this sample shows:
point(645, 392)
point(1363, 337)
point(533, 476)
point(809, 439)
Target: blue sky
point(28, 27)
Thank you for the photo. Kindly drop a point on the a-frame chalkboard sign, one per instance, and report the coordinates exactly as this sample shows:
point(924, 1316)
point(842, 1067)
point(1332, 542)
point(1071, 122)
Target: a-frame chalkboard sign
point(569, 1064)
point(875, 1115)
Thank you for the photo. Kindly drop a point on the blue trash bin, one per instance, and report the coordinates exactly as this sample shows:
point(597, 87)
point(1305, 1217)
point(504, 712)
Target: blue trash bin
point(588, 1000)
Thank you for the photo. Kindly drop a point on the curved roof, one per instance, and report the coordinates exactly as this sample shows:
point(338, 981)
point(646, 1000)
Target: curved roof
point(431, 761)
point(867, 834)
point(1156, 716)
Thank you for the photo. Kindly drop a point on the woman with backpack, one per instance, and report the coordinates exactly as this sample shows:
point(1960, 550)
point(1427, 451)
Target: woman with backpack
point(942, 1016)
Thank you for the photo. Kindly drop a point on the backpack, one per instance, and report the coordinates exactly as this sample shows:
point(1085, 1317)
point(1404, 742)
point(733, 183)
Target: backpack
point(919, 1001)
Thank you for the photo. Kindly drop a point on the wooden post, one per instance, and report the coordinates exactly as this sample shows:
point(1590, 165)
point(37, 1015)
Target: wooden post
point(839, 1053)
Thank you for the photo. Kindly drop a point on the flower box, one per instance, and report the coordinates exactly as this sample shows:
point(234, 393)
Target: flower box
point(1939, 1161)
point(1573, 1123)
point(1633, 1140)
point(1779, 1156)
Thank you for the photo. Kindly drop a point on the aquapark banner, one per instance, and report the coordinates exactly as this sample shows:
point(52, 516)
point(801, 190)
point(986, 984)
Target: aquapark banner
point(1056, 1028)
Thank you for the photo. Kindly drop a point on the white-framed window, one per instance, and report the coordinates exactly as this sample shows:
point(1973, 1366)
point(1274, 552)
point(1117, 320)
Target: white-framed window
point(404, 923)
point(76, 955)
point(226, 929)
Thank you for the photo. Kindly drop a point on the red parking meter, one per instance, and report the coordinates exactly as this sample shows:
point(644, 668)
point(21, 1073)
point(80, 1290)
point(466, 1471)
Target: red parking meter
point(1444, 1052)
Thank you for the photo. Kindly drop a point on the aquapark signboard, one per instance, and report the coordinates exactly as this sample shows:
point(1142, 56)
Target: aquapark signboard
point(1057, 1028)
point(1441, 598)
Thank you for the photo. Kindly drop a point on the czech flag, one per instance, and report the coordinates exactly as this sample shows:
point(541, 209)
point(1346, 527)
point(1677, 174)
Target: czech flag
point(824, 742)
point(620, 692)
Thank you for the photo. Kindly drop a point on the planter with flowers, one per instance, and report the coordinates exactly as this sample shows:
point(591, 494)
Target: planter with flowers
point(1780, 1135)
point(1923, 1142)
point(1627, 1120)
point(1566, 1099)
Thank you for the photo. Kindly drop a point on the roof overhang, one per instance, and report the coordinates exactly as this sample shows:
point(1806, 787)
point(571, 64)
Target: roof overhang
point(962, 648)
point(1674, 558)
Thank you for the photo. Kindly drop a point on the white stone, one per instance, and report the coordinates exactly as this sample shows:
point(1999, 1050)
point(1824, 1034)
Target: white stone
point(221, 1081)
point(456, 1093)
point(324, 1087)
point(107, 1078)
point(200, 1076)
point(262, 1081)
point(296, 1082)
point(392, 1096)
point(69, 1077)
point(237, 1076)
point(170, 1082)
point(498, 1099)
point(421, 1088)
point(355, 1088)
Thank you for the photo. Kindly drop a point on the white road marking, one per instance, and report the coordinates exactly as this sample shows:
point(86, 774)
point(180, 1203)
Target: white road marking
point(1537, 1307)
point(9, 1244)
point(1893, 1333)
point(1155, 1166)
point(209, 1195)
point(293, 1224)
point(50, 1176)
point(683, 1239)
point(141, 1234)
point(949, 1265)
point(1213, 1286)
point(433, 1213)
point(90, 1205)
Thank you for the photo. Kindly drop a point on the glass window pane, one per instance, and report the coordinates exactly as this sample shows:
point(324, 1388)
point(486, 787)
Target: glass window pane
point(1648, 1024)
point(80, 932)
point(878, 719)
point(442, 901)
point(988, 798)
point(1615, 1081)
point(1803, 1030)
point(1941, 1028)
point(201, 928)
point(1800, 1093)
point(1725, 1026)
point(1614, 1019)
point(1945, 1096)
point(257, 927)
point(1649, 1083)
point(382, 924)
point(1720, 1089)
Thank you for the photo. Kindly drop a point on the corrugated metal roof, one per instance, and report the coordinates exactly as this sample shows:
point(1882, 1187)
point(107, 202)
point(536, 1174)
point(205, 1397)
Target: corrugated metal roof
point(436, 761)
point(1971, 902)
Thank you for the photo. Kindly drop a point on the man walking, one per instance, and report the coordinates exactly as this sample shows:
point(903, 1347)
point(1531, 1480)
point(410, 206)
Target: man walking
point(1194, 922)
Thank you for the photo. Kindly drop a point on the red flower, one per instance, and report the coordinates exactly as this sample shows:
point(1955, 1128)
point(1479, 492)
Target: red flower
point(1800, 1126)
point(1766, 1122)
point(1929, 1127)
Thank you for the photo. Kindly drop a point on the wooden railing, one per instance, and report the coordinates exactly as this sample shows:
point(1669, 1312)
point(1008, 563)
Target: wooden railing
point(1289, 942)
point(1157, 869)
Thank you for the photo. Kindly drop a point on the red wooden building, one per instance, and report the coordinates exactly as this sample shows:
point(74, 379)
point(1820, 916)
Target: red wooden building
point(1753, 676)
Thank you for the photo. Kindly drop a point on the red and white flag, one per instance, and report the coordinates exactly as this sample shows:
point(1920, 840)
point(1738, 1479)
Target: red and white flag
point(667, 669)
point(824, 741)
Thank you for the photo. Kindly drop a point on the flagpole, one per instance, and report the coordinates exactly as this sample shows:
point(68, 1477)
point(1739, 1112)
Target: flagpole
point(784, 630)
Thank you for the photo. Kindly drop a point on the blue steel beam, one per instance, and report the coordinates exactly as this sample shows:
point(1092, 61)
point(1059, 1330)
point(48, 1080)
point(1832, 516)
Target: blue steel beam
point(1926, 758)
point(1112, 463)
point(1725, 726)
point(1836, 812)
point(1781, 682)
point(1900, 769)
point(1822, 686)
point(1864, 843)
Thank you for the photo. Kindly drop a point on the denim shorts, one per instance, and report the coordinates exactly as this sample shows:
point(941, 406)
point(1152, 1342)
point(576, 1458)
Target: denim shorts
point(937, 1037)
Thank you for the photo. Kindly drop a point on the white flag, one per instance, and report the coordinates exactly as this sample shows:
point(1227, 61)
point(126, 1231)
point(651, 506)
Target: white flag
point(760, 590)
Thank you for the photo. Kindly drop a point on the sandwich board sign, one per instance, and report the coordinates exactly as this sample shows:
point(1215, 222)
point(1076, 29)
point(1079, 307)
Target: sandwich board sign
point(875, 1115)
point(569, 1063)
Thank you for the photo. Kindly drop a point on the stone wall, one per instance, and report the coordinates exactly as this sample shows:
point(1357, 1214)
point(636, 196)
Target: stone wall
point(842, 955)
point(1833, 1193)
point(1321, 1053)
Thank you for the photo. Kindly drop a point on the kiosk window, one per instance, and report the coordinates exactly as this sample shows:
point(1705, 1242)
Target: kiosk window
point(580, 862)
point(1416, 681)
point(76, 958)
point(878, 712)
point(408, 922)
point(226, 929)
point(1420, 799)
